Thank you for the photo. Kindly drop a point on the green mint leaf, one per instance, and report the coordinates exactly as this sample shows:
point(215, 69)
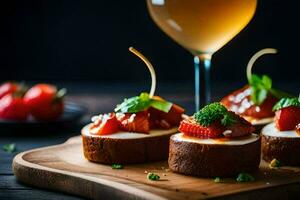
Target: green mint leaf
point(245, 177)
point(10, 147)
point(266, 82)
point(141, 103)
point(116, 166)
point(164, 106)
point(259, 88)
point(144, 96)
point(254, 80)
point(286, 102)
point(211, 113)
point(261, 95)
point(134, 104)
point(152, 176)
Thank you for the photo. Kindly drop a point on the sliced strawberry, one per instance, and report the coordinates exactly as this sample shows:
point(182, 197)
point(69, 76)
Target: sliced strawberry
point(137, 122)
point(108, 124)
point(287, 118)
point(216, 130)
point(191, 128)
point(160, 119)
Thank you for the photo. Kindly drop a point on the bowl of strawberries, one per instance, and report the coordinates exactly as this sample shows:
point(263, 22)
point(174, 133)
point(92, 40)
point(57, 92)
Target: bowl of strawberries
point(40, 105)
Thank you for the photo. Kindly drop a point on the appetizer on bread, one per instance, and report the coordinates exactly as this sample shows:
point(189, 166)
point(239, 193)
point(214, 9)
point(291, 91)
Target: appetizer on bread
point(137, 131)
point(281, 139)
point(255, 100)
point(214, 142)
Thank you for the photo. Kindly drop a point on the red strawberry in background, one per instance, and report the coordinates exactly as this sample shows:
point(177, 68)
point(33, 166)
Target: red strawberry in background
point(12, 107)
point(287, 118)
point(45, 102)
point(8, 88)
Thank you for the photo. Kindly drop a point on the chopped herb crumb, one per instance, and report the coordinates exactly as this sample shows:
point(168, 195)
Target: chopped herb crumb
point(217, 180)
point(245, 177)
point(152, 176)
point(10, 147)
point(116, 166)
point(274, 163)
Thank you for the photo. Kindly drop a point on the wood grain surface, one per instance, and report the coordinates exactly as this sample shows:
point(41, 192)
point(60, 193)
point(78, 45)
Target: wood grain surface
point(63, 168)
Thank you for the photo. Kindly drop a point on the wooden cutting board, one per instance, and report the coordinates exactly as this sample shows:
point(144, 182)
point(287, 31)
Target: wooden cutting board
point(63, 168)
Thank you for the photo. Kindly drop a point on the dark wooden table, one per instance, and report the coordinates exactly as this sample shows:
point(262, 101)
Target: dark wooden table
point(97, 98)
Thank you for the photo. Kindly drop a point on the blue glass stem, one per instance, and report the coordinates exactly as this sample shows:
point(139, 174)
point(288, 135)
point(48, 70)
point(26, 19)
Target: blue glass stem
point(202, 80)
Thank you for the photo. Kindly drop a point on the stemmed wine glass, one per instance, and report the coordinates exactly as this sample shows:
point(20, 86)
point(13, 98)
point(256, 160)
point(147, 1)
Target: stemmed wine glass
point(202, 27)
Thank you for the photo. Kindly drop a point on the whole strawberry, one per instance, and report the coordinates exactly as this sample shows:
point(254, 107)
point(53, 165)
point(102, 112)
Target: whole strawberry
point(45, 102)
point(287, 114)
point(12, 107)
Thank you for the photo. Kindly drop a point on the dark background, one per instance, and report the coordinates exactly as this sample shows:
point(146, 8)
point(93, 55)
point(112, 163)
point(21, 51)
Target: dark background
point(87, 41)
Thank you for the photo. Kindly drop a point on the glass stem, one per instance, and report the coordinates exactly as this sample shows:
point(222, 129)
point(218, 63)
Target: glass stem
point(202, 80)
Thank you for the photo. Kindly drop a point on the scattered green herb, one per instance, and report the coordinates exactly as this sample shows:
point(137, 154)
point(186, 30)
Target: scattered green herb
point(245, 177)
point(261, 86)
point(10, 147)
point(286, 102)
point(152, 176)
point(142, 102)
point(213, 112)
point(217, 180)
point(274, 163)
point(116, 166)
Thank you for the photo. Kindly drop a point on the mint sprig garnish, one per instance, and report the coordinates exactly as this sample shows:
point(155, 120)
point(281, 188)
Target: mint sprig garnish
point(261, 86)
point(141, 103)
point(286, 102)
point(212, 112)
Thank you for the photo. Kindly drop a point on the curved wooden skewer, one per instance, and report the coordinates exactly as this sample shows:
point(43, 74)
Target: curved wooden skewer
point(150, 67)
point(255, 57)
